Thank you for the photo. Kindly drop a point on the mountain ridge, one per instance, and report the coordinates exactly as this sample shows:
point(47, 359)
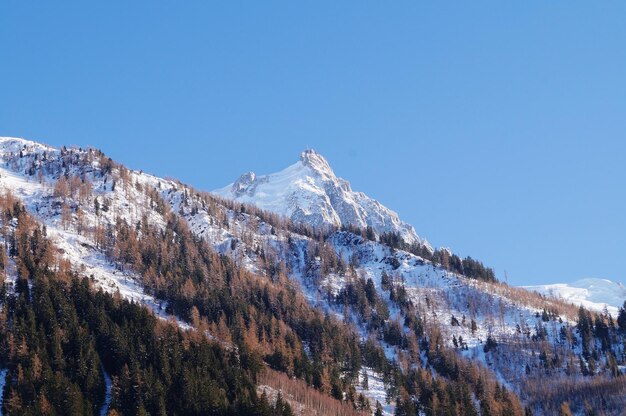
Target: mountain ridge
point(416, 312)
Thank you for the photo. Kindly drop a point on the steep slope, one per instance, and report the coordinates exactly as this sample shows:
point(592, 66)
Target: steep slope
point(56, 208)
point(99, 215)
point(309, 192)
point(592, 293)
point(471, 316)
point(420, 315)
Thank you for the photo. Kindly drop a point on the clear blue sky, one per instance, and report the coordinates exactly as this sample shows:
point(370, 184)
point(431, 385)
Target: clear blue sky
point(495, 128)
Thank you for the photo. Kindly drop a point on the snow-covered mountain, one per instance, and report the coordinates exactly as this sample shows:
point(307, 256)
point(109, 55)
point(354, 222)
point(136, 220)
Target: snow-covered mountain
point(77, 192)
point(592, 293)
point(309, 192)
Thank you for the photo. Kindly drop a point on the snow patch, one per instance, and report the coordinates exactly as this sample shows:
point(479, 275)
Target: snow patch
point(3, 377)
point(108, 384)
point(375, 391)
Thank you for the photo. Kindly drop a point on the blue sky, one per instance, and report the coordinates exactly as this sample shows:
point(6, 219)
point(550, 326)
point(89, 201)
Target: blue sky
point(495, 128)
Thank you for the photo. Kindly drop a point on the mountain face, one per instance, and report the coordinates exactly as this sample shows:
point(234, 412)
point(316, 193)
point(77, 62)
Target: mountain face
point(342, 313)
point(309, 192)
point(592, 293)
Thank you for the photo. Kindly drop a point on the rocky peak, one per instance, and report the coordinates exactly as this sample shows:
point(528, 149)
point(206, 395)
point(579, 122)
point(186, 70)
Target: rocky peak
point(316, 162)
point(309, 192)
point(244, 182)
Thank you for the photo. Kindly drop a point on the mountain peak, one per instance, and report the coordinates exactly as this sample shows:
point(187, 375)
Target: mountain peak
point(243, 183)
point(309, 192)
point(315, 161)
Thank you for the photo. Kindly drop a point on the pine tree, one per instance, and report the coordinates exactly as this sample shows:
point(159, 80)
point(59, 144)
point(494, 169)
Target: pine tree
point(621, 318)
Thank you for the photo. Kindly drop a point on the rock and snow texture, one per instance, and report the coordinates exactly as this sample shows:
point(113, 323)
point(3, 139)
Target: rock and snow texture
point(309, 192)
point(591, 293)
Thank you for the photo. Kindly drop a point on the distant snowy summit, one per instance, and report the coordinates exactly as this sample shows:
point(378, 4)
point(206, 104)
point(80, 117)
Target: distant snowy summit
point(309, 192)
point(592, 293)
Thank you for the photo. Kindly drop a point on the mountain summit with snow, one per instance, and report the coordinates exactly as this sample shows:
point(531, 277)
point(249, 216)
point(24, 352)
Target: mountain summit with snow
point(309, 192)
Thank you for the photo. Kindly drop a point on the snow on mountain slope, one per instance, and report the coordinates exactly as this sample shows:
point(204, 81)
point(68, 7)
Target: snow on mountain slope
point(465, 311)
point(309, 192)
point(19, 155)
point(591, 293)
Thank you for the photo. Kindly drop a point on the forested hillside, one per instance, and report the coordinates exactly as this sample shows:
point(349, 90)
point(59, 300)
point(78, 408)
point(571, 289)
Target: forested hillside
point(129, 294)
